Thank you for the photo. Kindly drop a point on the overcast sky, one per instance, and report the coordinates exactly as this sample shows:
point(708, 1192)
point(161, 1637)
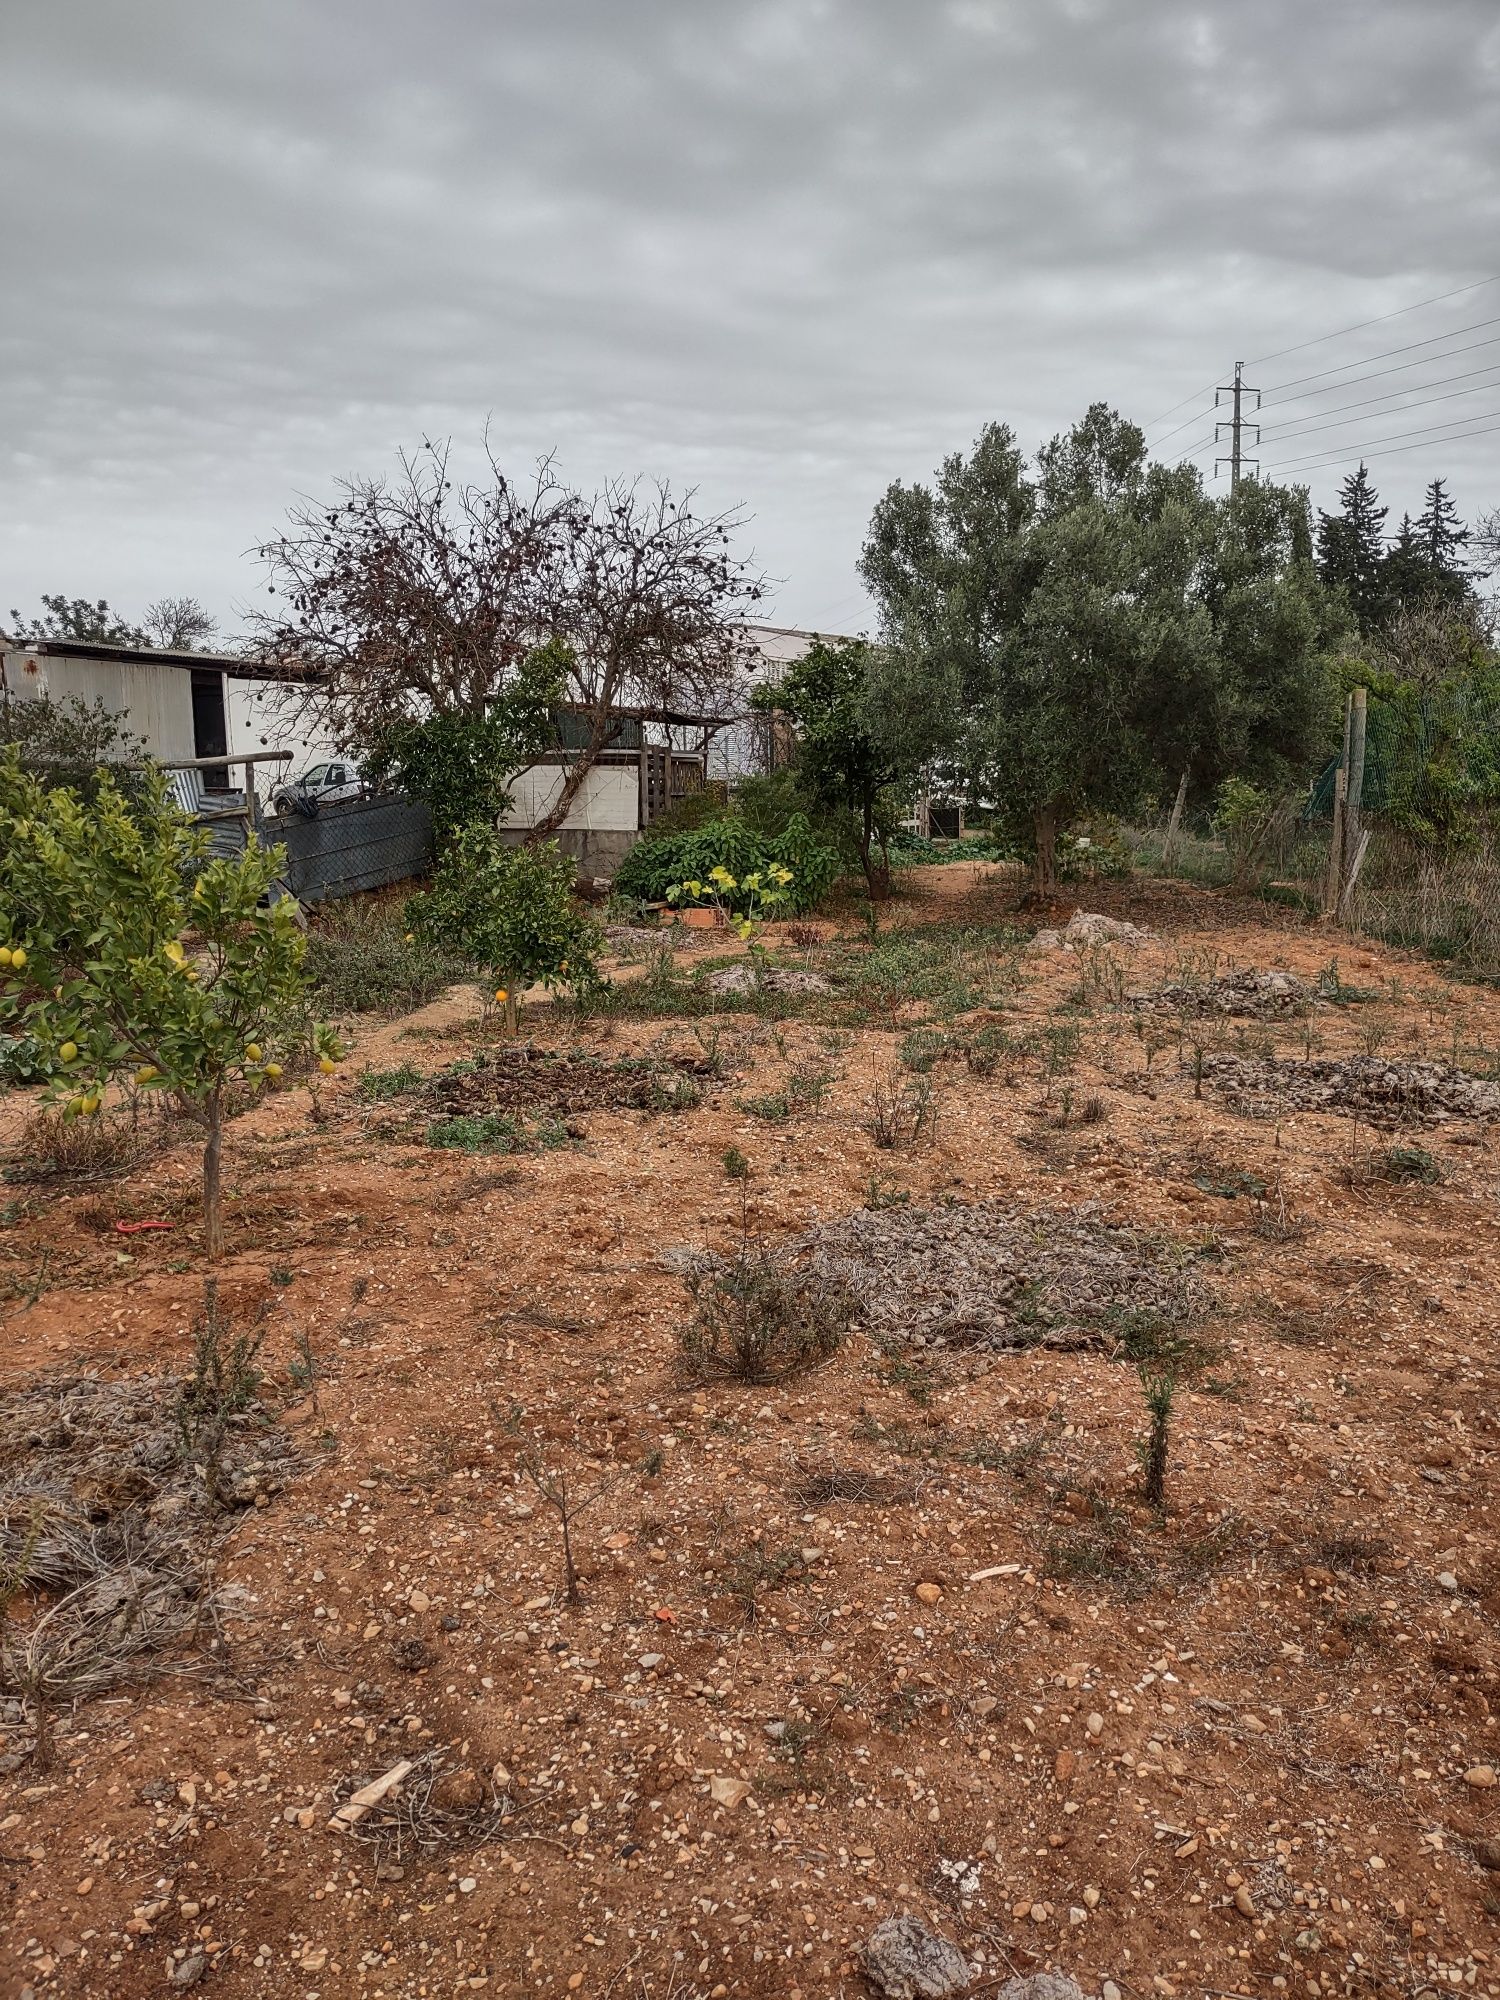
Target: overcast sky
point(782, 250)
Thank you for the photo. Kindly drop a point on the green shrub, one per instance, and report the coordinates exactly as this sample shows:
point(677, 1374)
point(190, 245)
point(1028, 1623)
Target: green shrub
point(364, 959)
point(654, 866)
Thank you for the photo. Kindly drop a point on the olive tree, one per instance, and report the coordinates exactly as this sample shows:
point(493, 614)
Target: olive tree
point(1073, 638)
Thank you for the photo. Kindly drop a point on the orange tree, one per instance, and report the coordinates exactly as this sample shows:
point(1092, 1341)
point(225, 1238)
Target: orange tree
point(126, 951)
point(511, 911)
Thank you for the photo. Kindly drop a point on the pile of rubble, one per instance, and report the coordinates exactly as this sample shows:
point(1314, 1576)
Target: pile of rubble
point(1368, 1087)
point(988, 1275)
point(1252, 994)
point(1086, 927)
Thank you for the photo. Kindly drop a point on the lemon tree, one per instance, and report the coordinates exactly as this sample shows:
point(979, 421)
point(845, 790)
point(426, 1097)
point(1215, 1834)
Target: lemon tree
point(510, 911)
point(126, 951)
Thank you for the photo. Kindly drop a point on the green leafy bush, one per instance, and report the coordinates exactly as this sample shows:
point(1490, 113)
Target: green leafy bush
point(654, 866)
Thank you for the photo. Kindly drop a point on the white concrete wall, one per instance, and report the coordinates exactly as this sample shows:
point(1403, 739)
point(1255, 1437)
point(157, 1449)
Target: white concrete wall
point(157, 702)
point(608, 801)
point(263, 715)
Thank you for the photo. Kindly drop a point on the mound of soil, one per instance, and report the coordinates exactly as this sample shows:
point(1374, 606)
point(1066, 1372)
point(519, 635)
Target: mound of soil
point(992, 1276)
point(522, 1077)
point(1252, 994)
point(1368, 1087)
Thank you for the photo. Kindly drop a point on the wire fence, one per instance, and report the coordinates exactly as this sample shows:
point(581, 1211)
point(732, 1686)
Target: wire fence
point(1427, 876)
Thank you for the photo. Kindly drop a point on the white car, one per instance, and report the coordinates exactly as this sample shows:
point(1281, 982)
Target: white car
point(328, 783)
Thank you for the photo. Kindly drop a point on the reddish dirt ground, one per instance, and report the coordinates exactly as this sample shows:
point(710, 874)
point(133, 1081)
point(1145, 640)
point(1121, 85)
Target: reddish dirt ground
point(1249, 1748)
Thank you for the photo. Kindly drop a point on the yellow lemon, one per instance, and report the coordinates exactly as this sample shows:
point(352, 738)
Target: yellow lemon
point(147, 1073)
point(273, 1070)
point(68, 1052)
point(191, 971)
point(252, 1051)
point(327, 1065)
point(73, 1106)
point(4, 954)
point(174, 950)
point(17, 957)
point(89, 1105)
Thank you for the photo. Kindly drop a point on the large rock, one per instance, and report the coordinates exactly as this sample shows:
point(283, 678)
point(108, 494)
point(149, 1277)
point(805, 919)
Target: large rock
point(907, 1961)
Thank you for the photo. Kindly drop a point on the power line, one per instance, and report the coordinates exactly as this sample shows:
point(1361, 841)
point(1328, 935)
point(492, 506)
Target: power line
point(1400, 368)
point(1297, 426)
point(1394, 452)
point(1360, 325)
point(1410, 347)
point(1196, 395)
point(1193, 449)
point(1179, 427)
point(1360, 450)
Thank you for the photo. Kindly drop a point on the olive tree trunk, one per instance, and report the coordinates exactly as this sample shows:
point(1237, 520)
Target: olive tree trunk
point(1044, 868)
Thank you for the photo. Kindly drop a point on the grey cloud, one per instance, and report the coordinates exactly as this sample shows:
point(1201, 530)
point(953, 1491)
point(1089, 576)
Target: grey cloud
point(786, 250)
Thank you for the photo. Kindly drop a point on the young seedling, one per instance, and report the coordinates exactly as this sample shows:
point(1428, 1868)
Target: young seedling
point(224, 1383)
point(1160, 1391)
point(562, 1495)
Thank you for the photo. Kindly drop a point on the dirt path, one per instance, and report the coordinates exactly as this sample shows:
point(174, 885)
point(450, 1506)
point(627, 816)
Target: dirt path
point(897, 1634)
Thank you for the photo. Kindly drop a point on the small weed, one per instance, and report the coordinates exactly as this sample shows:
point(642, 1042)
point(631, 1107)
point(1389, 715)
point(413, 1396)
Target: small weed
point(922, 1047)
point(759, 1569)
point(761, 1319)
point(1413, 1164)
point(774, 1107)
point(302, 1370)
point(1231, 1183)
point(736, 1166)
point(997, 1051)
point(902, 1114)
point(882, 1192)
point(1333, 986)
point(495, 1132)
point(379, 1086)
point(918, 1381)
point(1160, 1392)
point(282, 1277)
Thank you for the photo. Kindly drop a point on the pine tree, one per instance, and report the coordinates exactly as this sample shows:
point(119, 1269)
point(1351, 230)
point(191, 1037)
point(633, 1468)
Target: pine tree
point(1351, 547)
point(1442, 534)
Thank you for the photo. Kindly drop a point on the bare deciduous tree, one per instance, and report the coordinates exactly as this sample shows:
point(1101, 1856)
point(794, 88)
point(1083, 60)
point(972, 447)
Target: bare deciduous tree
point(420, 596)
point(179, 625)
point(653, 618)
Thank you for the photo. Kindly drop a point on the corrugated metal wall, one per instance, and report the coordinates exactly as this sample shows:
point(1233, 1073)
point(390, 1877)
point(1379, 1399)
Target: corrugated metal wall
point(362, 844)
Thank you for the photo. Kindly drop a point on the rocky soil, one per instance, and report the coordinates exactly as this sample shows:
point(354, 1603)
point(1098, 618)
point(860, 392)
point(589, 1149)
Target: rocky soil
point(896, 1640)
